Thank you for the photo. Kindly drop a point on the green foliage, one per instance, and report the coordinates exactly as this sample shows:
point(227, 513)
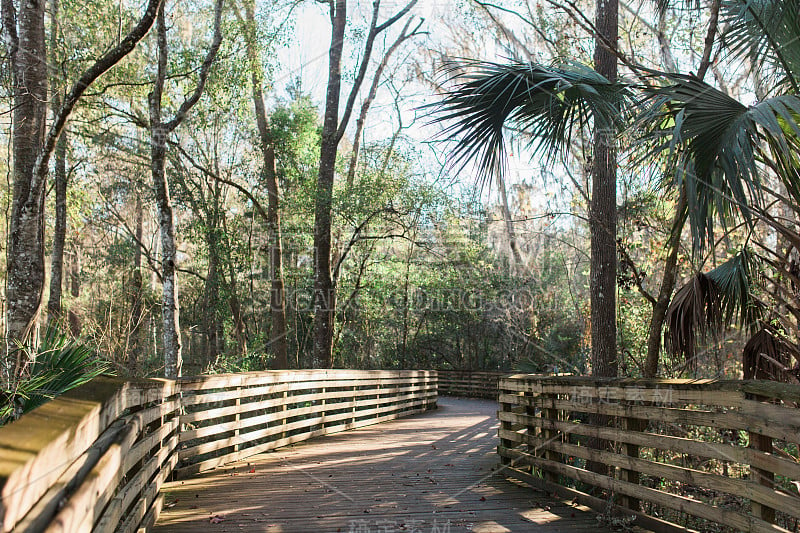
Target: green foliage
point(56, 365)
point(765, 31)
point(715, 147)
point(551, 104)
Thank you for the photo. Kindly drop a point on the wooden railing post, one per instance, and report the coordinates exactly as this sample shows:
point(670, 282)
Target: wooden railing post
point(355, 399)
point(505, 425)
point(237, 417)
point(549, 435)
point(533, 430)
point(283, 410)
point(762, 443)
point(633, 425)
point(322, 409)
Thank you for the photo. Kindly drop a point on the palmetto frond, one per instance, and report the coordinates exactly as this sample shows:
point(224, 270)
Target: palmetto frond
point(57, 364)
point(768, 355)
point(712, 301)
point(768, 33)
point(734, 280)
point(549, 104)
point(717, 146)
point(693, 313)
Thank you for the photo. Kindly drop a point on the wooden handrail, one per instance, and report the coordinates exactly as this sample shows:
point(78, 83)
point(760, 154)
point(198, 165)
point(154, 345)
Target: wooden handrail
point(277, 408)
point(690, 452)
point(469, 383)
point(95, 458)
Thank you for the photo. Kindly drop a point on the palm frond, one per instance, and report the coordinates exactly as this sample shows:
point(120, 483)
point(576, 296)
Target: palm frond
point(716, 146)
point(768, 355)
point(713, 301)
point(734, 280)
point(550, 104)
point(768, 33)
point(693, 313)
point(56, 364)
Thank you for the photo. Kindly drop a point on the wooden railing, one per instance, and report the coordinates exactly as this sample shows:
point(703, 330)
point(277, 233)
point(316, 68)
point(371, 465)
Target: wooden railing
point(685, 452)
point(469, 384)
point(95, 458)
point(231, 417)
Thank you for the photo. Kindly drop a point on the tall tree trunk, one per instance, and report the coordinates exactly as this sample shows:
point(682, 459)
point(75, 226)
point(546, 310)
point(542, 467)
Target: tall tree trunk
point(512, 236)
point(278, 339)
point(75, 324)
point(60, 179)
point(170, 311)
point(603, 227)
point(211, 295)
point(135, 329)
point(333, 129)
point(60, 229)
point(239, 324)
point(324, 290)
point(603, 210)
point(26, 276)
point(159, 131)
point(668, 280)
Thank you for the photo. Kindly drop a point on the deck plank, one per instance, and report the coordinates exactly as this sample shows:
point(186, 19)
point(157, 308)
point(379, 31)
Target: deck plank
point(434, 472)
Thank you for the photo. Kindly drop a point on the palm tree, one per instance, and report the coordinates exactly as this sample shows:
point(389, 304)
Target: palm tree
point(728, 155)
point(722, 153)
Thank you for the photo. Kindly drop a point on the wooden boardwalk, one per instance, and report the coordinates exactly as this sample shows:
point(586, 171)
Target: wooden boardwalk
point(434, 472)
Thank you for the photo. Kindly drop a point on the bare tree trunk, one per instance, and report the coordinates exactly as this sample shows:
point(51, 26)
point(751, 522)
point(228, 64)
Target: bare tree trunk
point(324, 290)
point(32, 149)
point(373, 90)
point(603, 215)
point(159, 131)
point(75, 325)
point(211, 294)
point(333, 129)
point(25, 281)
point(512, 236)
point(60, 229)
point(239, 325)
point(60, 179)
point(170, 312)
point(668, 280)
point(137, 287)
point(278, 339)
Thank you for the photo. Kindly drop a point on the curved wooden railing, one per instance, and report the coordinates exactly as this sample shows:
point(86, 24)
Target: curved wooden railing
point(685, 452)
point(469, 383)
point(95, 458)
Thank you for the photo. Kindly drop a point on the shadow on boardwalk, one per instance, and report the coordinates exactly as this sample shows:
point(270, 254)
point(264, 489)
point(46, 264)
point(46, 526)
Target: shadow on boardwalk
point(430, 473)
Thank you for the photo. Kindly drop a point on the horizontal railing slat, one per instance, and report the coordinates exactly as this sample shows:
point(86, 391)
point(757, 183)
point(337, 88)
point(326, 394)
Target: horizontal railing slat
point(696, 437)
point(96, 458)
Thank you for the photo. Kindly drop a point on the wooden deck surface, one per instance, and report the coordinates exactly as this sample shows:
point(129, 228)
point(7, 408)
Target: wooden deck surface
point(429, 473)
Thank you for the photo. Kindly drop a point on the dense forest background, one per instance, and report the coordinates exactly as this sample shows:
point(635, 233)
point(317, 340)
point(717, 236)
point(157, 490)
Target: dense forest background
point(432, 265)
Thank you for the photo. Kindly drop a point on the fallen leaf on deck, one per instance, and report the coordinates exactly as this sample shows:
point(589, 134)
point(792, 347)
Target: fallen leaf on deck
point(216, 519)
